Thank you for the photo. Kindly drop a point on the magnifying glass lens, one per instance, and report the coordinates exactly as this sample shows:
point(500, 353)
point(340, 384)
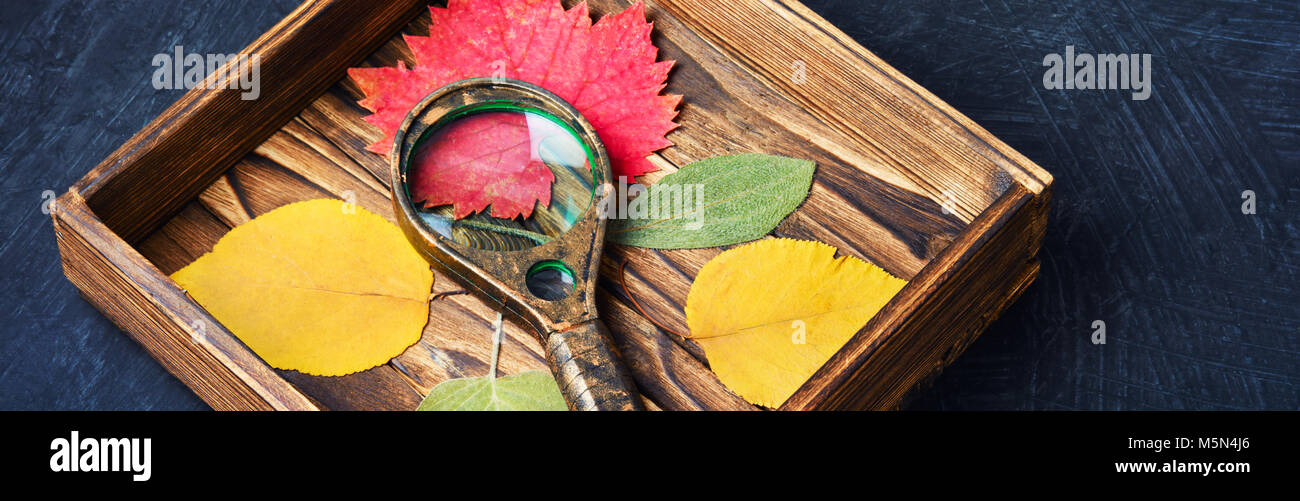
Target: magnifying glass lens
point(499, 176)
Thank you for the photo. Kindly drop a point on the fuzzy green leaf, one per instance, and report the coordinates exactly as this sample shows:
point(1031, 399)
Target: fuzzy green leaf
point(714, 202)
point(526, 391)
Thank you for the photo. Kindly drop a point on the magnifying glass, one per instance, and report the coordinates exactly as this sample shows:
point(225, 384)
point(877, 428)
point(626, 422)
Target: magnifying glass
point(499, 182)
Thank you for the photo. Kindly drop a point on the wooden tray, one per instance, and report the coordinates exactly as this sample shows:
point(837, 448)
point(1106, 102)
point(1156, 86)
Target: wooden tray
point(902, 180)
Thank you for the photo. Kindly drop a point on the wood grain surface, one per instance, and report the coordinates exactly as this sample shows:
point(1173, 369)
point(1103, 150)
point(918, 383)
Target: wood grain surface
point(1144, 237)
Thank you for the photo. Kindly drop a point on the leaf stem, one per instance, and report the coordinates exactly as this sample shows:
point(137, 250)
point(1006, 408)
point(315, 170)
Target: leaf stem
point(622, 272)
point(496, 347)
point(532, 235)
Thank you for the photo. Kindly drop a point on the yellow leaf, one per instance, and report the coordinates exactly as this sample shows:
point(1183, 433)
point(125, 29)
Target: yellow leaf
point(770, 313)
point(320, 287)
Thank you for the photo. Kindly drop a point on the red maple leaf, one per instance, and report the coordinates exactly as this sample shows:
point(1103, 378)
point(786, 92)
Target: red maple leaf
point(607, 70)
point(509, 174)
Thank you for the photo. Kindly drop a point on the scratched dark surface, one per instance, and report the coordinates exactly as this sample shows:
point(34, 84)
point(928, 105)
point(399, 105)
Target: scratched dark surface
point(1201, 302)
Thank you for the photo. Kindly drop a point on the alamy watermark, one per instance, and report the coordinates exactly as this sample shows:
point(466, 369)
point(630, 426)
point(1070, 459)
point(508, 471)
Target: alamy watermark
point(1099, 71)
point(1099, 331)
point(86, 454)
point(683, 202)
point(178, 70)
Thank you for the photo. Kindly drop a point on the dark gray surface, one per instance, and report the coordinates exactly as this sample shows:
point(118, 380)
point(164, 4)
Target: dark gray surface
point(1200, 301)
point(74, 85)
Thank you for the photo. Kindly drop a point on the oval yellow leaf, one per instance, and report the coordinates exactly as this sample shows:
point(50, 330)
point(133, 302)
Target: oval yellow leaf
point(320, 287)
point(770, 313)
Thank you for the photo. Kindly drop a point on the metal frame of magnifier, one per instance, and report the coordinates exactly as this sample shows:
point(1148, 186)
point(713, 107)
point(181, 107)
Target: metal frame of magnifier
point(579, 348)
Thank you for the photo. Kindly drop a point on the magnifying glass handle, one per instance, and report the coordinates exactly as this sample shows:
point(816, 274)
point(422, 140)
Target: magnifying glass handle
point(589, 371)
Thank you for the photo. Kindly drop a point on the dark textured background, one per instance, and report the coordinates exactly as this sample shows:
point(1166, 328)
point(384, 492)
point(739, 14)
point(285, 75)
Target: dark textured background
point(1201, 302)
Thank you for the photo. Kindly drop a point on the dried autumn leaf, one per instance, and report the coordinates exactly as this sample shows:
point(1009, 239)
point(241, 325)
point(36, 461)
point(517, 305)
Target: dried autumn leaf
point(525, 391)
point(320, 287)
point(715, 202)
point(769, 314)
point(511, 179)
point(606, 70)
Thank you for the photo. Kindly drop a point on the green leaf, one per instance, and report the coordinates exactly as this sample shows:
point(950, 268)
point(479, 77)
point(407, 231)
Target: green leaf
point(714, 202)
point(526, 391)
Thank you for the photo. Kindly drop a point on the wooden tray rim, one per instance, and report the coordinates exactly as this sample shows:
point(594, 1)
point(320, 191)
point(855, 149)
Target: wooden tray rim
point(75, 212)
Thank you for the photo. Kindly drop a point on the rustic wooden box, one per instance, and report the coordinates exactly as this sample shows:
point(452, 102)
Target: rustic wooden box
point(903, 180)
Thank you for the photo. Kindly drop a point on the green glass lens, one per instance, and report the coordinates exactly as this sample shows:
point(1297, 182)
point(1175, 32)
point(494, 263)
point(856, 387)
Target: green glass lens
point(551, 280)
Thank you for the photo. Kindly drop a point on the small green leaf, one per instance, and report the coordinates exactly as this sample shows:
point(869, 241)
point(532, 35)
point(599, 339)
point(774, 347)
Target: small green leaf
point(716, 201)
point(526, 391)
